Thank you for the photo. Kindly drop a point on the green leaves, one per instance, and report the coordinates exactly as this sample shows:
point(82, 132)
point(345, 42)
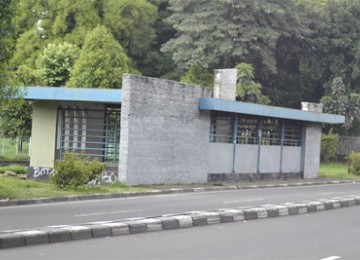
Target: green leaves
point(247, 89)
point(101, 63)
point(56, 61)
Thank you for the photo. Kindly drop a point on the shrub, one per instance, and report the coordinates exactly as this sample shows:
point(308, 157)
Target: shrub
point(18, 169)
point(329, 144)
point(354, 163)
point(75, 170)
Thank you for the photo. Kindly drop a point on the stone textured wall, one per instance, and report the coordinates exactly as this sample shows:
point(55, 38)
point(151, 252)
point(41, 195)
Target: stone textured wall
point(311, 155)
point(164, 138)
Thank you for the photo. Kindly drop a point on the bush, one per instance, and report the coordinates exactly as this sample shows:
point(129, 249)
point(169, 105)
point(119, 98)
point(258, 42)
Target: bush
point(354, 163)
point(328, 147)
point(18, 169)
point(75, 170)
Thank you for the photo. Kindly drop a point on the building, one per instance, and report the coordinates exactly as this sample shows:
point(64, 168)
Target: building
point(156, 131)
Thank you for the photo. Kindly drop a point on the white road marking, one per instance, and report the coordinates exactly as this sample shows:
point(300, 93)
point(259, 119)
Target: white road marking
point(106, 213)
point(330, 193)
point(241, 201)
point(331, 258)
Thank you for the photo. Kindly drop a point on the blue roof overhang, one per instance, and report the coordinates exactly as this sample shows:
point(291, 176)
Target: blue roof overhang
point(212, 104)
point(112, 96)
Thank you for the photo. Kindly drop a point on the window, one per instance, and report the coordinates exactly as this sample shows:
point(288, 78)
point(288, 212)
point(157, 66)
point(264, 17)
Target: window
point(292, 133)
point(221, 128)
point(273, 131)
point(270, 132)
point(89, 132)
point(247, 130)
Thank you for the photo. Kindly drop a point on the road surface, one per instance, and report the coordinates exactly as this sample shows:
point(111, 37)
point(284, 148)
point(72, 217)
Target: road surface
point(327, 235)
point(32, 216)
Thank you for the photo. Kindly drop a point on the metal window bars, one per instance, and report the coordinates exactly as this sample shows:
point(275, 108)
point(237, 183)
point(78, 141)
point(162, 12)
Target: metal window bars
point(273, 131)
point(90, 132)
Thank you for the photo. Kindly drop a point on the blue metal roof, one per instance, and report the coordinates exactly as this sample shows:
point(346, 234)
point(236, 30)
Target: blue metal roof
point(113, 96)
point(268, 111)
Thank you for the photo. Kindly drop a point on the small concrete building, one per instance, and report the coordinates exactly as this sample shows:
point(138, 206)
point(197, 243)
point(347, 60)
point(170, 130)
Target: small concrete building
point(156, 131)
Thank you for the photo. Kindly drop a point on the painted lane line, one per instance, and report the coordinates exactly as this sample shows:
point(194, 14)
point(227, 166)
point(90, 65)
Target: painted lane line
point(331, 258)
point(331, 193)
point(106, 213)
point(241, 201)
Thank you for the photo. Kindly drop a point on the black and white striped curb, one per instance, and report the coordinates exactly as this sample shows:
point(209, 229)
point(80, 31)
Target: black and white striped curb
point(52, 234)
point(10, 202)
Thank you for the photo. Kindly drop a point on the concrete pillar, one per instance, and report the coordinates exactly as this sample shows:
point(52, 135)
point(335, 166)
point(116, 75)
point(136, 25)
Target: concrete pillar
point(225, 84)
point(311, 152)
point(311, 142)
point(43, 134)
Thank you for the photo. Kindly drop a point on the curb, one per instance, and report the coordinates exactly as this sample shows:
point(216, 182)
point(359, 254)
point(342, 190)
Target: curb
point(53, 234)
point(8, 203)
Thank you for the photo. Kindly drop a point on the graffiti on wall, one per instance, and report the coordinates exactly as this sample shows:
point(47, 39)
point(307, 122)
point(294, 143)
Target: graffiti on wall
point(44, 173)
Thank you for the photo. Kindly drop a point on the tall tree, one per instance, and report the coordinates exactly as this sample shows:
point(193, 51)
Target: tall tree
point(131, 23)
point(222, 33)
point(101, 63)
point(7, 32)
point(55, 63)
point(247, 89)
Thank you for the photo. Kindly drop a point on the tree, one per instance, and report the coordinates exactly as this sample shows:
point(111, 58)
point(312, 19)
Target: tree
point(102, 62)
point(7, 32)
point(334, 40)
point(247, 89)
point(222, 33)
point(55, 63)
point(131, 23)
point(199, 76)
point(340, 102)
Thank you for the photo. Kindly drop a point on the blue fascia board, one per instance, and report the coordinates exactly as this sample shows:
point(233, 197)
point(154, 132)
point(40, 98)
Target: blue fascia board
point(113, 96)
point(268, 111)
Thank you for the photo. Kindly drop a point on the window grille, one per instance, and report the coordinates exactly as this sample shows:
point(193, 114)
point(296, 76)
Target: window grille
point(221, 128)
point(270, 132)
point(247, 129)
point(92, 133)
point(292, 133)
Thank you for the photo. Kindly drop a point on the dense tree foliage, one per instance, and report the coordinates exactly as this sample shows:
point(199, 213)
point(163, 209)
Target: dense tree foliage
point(247, 89)
point(102, 62)
point(7, 14)
point(55, 63)
point(295, 48)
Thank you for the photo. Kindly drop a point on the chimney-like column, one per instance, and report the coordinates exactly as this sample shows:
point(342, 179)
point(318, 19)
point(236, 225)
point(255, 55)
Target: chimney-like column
point(225, 84)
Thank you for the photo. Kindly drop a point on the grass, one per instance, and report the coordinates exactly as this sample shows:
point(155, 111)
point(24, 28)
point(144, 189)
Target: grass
point(18, 169)
point(14, 188)
point(8, 150)
point(336, 171)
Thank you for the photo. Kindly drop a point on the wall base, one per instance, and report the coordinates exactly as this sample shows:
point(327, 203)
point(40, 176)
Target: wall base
point(236, 177)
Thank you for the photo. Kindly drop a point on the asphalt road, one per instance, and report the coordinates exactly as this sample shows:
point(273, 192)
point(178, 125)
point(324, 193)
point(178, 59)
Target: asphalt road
point(327, 235)
point(32, 216)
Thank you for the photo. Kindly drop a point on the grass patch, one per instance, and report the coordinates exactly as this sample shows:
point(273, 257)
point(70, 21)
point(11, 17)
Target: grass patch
point(14, 188)
point(336, 171)
point(18, 169)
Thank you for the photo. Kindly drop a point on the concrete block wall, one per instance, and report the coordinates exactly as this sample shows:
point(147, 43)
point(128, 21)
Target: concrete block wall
point(164, 137)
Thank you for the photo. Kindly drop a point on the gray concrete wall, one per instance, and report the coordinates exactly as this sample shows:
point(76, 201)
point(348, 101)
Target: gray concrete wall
point(220, 158)
point(312, 141)
point(246, 158)
point(291, 159)
point(164, 138)
point(269, 159)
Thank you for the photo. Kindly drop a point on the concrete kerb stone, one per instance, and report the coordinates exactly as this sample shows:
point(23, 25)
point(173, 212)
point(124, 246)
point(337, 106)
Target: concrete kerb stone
point(52, 234)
